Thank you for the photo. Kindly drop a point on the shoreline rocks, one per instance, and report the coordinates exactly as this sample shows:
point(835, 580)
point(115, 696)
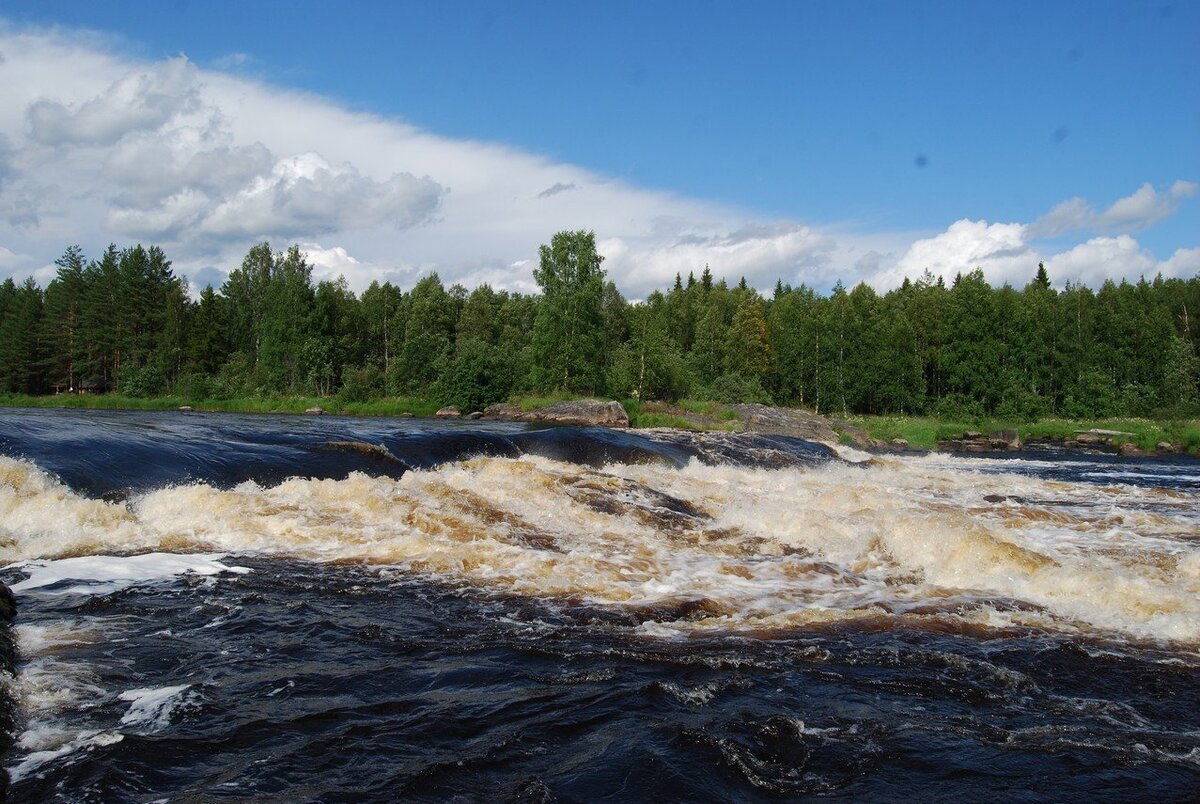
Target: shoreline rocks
point(974, 441)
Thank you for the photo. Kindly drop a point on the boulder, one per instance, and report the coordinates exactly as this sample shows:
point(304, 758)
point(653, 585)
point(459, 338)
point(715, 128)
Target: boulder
point(404, 415)
point(1006, 439)
point(1166, 446)
point(503, 411)
point(448, 412)
point(902, 443)
point(1131, 450)
point(316, 410)
point(186, 408)
point(475, 414)
point(794, 423)
point(586, 412)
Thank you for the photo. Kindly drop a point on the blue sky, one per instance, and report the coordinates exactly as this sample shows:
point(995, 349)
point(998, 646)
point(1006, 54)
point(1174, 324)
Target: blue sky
point(872, 126)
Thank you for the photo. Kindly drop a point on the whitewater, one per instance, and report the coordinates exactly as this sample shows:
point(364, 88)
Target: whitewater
point(208, 602)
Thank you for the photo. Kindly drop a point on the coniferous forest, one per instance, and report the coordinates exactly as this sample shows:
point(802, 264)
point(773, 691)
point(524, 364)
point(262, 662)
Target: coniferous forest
point(123, 322)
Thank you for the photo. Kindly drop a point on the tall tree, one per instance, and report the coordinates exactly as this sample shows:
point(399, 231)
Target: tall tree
point(568, 333)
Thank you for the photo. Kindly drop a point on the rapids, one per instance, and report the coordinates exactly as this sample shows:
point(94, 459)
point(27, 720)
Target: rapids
point(459, 609)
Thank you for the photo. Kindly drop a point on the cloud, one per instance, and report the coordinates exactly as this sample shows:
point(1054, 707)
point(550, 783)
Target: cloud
point(304, 194)
point(760, 253)
point(1004, 253)
point(1101, 258)
point(1184, 263)
point(1000, 249)
point(1140, 210)
point(141, 100)
point(96, 146)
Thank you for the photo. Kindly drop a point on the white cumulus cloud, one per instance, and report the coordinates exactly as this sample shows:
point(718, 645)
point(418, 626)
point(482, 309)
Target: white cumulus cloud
point(1139, 210)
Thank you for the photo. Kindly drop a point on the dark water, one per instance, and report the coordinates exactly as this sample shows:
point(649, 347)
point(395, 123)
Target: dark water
point(347, 679)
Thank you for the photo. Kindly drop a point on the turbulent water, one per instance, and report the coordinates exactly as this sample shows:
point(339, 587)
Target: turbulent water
point(249, 608)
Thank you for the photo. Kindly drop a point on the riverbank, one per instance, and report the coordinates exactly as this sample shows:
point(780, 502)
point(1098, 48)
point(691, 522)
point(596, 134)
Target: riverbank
point(1146, 435)
point(879, 432)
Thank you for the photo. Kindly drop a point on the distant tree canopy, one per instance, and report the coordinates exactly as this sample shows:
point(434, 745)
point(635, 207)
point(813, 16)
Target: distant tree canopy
point(124, 322)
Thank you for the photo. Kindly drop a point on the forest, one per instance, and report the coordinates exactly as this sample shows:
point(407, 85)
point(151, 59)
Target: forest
point(125, 323)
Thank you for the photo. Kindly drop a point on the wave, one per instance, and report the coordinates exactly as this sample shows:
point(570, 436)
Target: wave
point(682, 548)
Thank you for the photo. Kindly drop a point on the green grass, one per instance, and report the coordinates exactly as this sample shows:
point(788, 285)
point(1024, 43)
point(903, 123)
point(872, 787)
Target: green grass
point(925, 432)
point(644, 420)
point(391, 406)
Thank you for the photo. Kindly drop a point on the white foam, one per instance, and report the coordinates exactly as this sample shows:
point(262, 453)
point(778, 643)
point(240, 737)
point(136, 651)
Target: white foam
point(69, 743)
point(152, 706)
point(99, 575)
point(765, 548)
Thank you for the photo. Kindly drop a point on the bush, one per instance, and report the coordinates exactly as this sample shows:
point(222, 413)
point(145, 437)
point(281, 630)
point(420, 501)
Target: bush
point(477, 376)
point(195, 386)
point(359, 385)
point(733, 388)
point(147, 381)
point(957, 407)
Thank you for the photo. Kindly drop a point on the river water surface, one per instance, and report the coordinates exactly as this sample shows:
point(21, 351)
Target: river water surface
point(254, 608)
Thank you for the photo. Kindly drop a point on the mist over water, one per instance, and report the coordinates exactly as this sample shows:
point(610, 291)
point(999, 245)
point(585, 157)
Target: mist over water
point(331, 609)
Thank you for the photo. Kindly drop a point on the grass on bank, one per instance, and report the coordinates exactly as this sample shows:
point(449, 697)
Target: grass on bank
point(390, 406)
point(920, 431)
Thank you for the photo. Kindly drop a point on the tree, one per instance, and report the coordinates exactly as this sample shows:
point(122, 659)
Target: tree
point(62, 321)
point(568, 333)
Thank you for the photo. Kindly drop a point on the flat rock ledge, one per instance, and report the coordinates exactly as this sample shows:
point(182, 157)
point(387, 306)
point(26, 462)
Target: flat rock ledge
point(581, 412)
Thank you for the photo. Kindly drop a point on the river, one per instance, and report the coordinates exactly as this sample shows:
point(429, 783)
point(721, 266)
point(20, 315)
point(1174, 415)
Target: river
point(251, 608)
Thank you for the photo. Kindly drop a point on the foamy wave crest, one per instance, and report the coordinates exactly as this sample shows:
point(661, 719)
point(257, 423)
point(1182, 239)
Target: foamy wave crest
point(912, 540)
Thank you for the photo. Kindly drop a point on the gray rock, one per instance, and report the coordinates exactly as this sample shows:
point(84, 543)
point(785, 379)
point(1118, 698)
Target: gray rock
point(448, 412)
point(185, 408)
point(475, 414)
point(1006, 439)
point(788, 422)
point(587, 412)
point(316, 410)
point(503, 411)
point(582, 412)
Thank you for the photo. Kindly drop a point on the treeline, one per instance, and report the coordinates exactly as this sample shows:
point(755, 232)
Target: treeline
point(126, 323)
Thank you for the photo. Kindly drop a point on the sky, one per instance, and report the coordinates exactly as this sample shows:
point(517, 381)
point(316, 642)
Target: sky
point(813, 142)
